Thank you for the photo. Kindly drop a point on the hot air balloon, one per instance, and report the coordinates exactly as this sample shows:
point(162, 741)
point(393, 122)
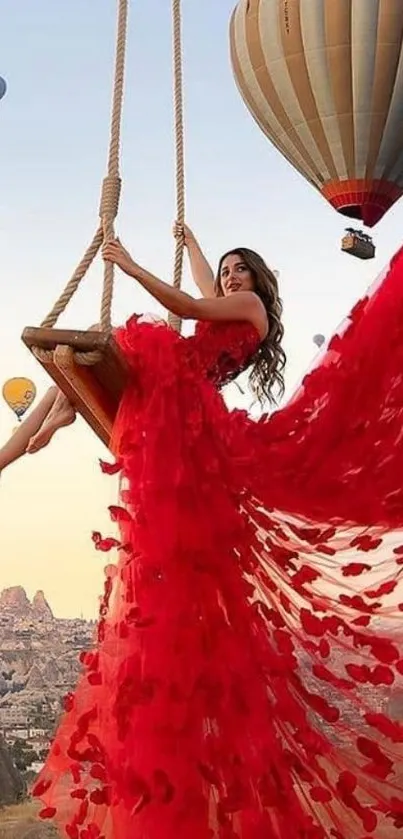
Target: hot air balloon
point(19, 393)
point(324, 81)
point(3, 87)
point(319, 340)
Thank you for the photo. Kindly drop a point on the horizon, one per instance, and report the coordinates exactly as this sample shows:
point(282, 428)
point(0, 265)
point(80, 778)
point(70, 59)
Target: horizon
point(32, 595)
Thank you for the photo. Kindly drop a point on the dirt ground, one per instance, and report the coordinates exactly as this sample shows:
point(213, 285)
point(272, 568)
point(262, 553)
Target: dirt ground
point(20, 822)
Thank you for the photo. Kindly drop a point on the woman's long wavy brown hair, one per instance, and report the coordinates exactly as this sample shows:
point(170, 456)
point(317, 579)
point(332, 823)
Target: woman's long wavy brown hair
point(268, 363)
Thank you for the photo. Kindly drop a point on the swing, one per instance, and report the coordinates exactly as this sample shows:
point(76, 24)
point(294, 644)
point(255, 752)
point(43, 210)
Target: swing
point(88, 366)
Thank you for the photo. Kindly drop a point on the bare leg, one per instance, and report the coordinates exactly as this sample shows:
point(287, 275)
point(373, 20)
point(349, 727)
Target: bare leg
point(60, 414)
point(16, 446)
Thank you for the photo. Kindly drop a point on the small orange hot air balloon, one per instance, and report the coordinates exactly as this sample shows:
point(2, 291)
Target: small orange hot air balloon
point(19, 393)
point(324, 81)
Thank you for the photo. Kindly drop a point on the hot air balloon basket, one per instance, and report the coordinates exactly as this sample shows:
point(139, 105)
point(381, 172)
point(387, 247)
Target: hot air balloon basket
point(355, 245)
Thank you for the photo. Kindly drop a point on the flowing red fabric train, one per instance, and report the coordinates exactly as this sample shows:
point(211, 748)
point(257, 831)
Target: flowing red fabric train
point(247, 682)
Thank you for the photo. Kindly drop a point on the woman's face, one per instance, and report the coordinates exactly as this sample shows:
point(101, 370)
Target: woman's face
point(235, 275)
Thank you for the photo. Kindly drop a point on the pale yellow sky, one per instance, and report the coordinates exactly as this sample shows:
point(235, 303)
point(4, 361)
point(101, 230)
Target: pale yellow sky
point(49, 505)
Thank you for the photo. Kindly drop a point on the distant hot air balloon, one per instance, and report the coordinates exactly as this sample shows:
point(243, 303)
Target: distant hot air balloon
point(19, 393)
point(319, 340)
point(324, 81)
point(3, 87)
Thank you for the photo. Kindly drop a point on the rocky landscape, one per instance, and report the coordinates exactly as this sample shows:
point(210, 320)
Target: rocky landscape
point(38, 665)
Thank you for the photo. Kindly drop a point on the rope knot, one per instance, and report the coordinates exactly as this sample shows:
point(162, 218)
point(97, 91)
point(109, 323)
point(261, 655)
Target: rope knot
point(110, 197)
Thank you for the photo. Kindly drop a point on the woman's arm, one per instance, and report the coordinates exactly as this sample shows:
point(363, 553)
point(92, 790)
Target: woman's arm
point(242, 306)
point(202, 272)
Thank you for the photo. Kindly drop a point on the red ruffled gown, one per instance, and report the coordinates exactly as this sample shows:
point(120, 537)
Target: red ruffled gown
point(248, 673)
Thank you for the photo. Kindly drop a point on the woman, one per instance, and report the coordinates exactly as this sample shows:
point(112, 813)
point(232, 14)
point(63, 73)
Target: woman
point(249, 637)
point(55, 412)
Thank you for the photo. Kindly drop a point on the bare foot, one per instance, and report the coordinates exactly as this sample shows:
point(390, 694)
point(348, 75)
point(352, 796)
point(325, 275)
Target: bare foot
point(60, 415)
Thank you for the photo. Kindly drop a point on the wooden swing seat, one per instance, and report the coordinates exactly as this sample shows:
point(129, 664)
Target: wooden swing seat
point(94, 391)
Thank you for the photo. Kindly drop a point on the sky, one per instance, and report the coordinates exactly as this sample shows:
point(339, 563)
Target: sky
point(54, 128)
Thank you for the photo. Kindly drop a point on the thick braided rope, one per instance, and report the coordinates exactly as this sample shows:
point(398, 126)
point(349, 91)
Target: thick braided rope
point(109, 205)
point(65, 297)
point(75, 281)
point(112, 184)
point(174, 320)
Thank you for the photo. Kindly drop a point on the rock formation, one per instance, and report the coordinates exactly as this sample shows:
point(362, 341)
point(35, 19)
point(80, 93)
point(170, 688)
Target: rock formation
point(41, 606)
point(39, 662)
point(15, 599)
point(36, 680)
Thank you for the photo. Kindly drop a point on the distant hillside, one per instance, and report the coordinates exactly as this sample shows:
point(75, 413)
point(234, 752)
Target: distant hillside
point(39, 664)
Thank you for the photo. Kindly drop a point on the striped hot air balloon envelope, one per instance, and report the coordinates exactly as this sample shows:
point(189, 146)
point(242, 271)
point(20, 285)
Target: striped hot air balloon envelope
point(324, 81)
